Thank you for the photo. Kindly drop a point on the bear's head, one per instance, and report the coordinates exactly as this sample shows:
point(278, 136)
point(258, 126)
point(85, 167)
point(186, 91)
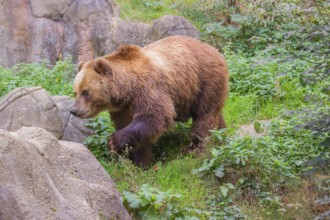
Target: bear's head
point(109, 82)
point(92, 88)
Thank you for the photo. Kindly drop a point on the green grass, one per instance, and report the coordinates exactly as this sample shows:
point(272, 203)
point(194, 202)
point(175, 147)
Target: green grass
point(240, 109)
point(174, 175)
point(149, 10)
point(146, 11)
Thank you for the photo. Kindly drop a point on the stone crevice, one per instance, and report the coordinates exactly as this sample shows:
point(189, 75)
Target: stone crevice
point(69, 5)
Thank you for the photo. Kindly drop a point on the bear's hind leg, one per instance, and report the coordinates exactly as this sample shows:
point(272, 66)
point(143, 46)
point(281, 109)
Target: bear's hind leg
point(200, 130)
point(222, 123)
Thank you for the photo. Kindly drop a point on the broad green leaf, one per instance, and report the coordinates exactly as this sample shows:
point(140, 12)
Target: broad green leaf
point(224, 191)
point(220, 171)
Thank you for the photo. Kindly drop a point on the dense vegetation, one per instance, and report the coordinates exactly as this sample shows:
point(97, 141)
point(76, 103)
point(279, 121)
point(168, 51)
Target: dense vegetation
point(56, 79)
point(278, 55)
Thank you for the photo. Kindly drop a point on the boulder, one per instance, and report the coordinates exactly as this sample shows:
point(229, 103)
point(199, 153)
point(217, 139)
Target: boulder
point(30, 107)
point(53, 10)
point(111, 33)
point(34, 30)
point(44, 178)
point(170, 25)
point(34, 107)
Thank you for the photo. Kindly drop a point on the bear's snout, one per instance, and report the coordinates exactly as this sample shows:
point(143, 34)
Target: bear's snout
point(73, 112)
point(80, 113)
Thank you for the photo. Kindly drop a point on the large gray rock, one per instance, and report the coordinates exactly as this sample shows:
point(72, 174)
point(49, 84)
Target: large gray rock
point(43, 178)
point(30, 107)
point(170, 25)
point(34, 30)
point(111, 33)
point(49, 9)
point(34, 107)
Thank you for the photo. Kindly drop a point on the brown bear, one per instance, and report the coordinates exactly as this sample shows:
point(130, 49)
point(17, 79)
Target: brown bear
point(146, 89)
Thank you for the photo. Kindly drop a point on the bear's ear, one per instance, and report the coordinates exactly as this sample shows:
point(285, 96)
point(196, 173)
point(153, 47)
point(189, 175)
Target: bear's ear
point(80, 65)
point(102, 66)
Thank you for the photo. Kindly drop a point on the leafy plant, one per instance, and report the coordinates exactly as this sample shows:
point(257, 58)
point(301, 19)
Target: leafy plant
point(264, 75)
point(150, 203)
point(275, 154)
point(55, 80)
point(221, 204)
point(98, 142)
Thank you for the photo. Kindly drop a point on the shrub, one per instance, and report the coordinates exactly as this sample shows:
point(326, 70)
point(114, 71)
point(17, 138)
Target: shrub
point(55, 80)
point(98, 142)
point(151, 203)
point(270, 160)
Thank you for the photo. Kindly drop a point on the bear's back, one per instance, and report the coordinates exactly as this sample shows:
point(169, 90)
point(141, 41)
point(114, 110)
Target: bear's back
point(186, 68)
point(177, 71)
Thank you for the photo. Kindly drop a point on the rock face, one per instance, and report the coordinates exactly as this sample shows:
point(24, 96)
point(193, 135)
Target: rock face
point(49, 9)
point(34, 107)
point(109, 34)
point(43, 178)
point(32, 30)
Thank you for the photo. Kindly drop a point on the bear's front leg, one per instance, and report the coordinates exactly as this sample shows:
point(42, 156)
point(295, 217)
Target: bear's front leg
point(142, 156)
point(151, 114)
point(121, 141)
point(141, 153)
point(139, 135)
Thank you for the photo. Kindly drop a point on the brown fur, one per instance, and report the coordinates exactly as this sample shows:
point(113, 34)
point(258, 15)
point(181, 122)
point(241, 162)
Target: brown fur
point(147, 89)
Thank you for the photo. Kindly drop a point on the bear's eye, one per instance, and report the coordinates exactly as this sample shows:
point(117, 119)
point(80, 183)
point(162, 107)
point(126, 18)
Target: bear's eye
point(85, 93)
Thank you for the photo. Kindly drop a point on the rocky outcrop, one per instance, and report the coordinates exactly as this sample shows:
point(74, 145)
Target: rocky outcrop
point(46, 43)
point(43, 178)
point(110, 34)
point(34, 107)
point(170, 25)
point(53, 10)
point(33, 30)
